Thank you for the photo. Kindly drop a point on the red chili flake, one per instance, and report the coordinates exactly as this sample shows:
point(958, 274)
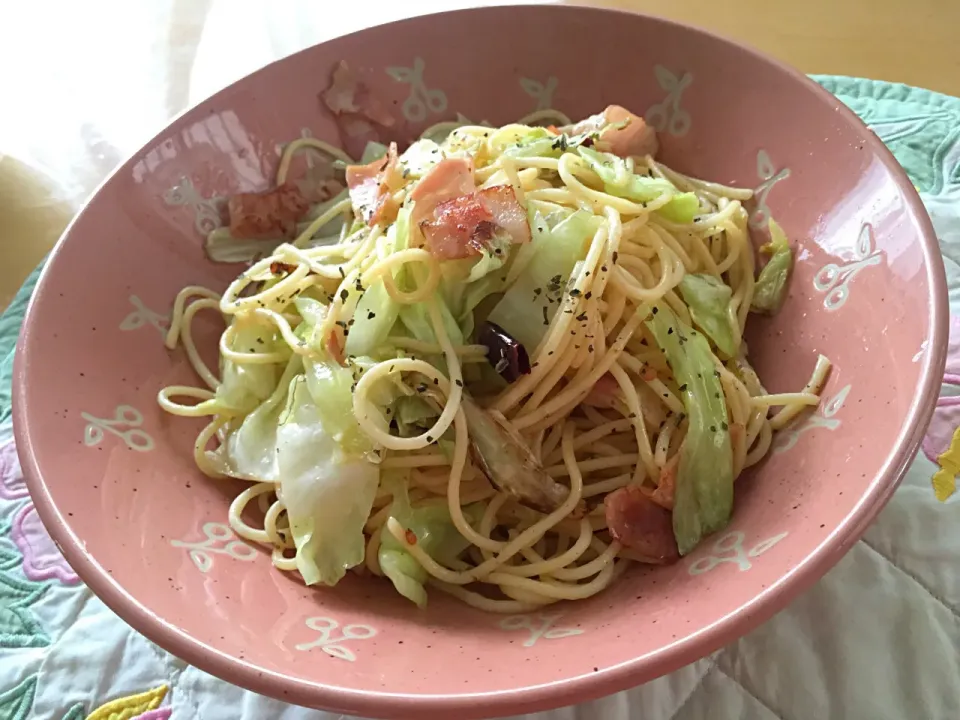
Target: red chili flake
point(411, 537)
point(277, 267)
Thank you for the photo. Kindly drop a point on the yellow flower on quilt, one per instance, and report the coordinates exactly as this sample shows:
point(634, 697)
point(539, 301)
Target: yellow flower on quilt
point(133, 706)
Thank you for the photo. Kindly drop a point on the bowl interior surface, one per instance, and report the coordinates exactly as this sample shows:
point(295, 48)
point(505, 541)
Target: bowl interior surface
point(114, 479)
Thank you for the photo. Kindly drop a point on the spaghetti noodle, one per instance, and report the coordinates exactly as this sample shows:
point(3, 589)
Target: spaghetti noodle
point(603, 423)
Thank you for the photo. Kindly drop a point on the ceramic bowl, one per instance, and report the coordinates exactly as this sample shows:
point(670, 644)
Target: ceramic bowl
point(114, 481)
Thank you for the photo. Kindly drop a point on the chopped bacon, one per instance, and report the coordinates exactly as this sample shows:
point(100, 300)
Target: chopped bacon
point(464, 226)
point(640, 524)
point(268, 215)
point(449, 178)
point(508, 213)
point(458, 228)
point(371, 187)
point(604, 393)
point(636, 138)
point(357, 111)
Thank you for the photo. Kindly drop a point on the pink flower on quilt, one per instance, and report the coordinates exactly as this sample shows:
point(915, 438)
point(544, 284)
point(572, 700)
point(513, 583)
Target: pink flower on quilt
point(946, 416)
point(162, 713)
point(12, 486)
point(41, 557)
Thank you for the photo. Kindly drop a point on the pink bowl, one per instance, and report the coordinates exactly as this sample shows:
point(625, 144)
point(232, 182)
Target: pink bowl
point(114, 481)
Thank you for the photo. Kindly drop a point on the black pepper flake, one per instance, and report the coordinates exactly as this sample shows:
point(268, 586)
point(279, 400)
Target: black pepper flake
point(574, 293)
point(655, 310)
point(670, 331)
point(371, 315)
point(421, 388)
point(590, 348)
point(341, 323)
point(459, 382)
point(344, 294)
point(436, 382)
point(260, 341)
point(615, 256)
point(581, 317)
point(603, 268)
point(713, 428)
point(724, 425)
point(342, 273)
point(546, 320)
point(588, 295)
point(536, 292)
point(683, 388)
point(717, 395)
point(550, 353)
point(429, 438)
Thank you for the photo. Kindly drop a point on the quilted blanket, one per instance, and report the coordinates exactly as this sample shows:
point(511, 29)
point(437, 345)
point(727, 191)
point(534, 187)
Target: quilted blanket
point(878, 637)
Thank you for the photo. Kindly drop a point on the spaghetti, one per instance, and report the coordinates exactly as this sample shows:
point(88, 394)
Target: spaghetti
point(509, 473)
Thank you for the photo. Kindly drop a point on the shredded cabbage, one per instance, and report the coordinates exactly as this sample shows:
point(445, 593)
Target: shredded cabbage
point(530, 303)
point(435, 534)
point(704, 490)
point(709, 301)
point(377, 312)
point(771, 287)
point(244, 386)
point(618, 180)
point(327, 490)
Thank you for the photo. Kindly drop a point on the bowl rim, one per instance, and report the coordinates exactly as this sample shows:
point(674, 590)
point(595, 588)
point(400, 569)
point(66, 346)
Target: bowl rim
point(563, 691)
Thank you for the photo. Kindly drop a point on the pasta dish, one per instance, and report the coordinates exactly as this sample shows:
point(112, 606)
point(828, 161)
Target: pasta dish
point(504, 363)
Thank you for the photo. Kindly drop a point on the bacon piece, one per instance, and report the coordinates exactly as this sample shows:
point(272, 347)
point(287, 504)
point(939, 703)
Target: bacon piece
point(371, 187)
point(508, 213)
point(449, 178)
point(458, 228)
point(641, 525)
point(636, 138)
point(465, 226)
point(604, 393)
point(268, 215)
